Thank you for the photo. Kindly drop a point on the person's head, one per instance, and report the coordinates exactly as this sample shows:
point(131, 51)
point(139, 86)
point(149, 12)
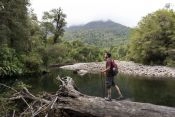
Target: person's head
point(107, 55)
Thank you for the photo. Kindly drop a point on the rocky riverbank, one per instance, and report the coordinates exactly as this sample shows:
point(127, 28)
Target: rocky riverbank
point(129, 68)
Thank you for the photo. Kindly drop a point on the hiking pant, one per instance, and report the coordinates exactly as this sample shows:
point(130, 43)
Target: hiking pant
point(109, 82)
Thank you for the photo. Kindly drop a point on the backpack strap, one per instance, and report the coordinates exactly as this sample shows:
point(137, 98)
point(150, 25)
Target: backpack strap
point(114, 64)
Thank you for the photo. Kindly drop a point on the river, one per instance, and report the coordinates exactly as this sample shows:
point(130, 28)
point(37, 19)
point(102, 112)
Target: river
point(160, 92)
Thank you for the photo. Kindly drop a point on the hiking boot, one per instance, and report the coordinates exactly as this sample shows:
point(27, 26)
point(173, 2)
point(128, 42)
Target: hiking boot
point(108, 99)
point(120, 97)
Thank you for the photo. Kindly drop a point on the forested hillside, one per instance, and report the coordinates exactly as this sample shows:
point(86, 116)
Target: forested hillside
point(153, 40)
point(99, 33)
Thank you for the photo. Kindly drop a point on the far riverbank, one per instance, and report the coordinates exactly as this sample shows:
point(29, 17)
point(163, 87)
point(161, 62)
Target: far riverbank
point(129, 68)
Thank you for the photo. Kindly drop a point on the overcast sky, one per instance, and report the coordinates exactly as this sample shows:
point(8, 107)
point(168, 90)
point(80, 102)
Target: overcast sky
point(126, 12)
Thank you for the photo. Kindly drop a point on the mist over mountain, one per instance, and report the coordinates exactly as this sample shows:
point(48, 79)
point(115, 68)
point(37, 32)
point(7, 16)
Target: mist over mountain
point(99, 33)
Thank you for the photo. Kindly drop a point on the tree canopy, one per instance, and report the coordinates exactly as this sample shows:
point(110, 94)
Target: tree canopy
point(153, 40)
point(54, 21)
point(14, 24)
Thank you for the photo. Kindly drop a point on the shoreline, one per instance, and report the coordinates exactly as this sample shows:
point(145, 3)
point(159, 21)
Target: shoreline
point(128, 68)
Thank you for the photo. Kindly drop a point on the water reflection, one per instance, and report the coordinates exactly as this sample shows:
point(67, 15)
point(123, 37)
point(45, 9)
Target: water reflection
point(159, 92)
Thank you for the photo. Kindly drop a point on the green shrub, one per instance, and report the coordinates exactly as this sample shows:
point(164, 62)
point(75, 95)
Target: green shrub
point(32, 62)
point(9, 62)
point(170, 61)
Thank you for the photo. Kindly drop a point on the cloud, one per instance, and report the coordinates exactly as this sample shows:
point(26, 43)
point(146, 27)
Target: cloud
point(127, 12)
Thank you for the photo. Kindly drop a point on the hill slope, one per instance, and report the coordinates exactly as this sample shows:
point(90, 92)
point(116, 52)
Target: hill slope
point(99, 33)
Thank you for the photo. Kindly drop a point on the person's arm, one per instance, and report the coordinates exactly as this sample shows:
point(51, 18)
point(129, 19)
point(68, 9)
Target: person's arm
point(106, 69)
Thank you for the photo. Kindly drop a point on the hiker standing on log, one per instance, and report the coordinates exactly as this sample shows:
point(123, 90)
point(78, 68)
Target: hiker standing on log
point(110, 73)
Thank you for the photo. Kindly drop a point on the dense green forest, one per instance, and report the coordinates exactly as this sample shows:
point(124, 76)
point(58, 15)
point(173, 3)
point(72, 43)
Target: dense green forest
point(28, 45)
point(99, 33)
point(153, 40)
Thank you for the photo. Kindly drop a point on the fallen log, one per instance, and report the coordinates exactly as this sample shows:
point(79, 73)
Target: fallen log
point(59, 65)
point(83, 105)
point(68, 102)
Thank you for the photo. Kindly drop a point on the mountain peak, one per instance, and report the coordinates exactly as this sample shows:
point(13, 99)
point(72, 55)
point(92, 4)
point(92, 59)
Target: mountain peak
point(98, 25)
point(99, 33)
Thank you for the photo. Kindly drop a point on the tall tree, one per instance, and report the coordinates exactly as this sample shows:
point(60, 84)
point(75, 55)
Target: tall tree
point(34, 30)
point(14, 24)
point(57, 18)
point(46, 28)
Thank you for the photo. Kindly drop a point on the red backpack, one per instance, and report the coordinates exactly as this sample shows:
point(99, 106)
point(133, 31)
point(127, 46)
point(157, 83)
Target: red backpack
point(114, 68)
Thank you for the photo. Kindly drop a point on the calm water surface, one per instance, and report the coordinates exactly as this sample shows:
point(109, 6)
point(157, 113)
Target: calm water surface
point(160, 92)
